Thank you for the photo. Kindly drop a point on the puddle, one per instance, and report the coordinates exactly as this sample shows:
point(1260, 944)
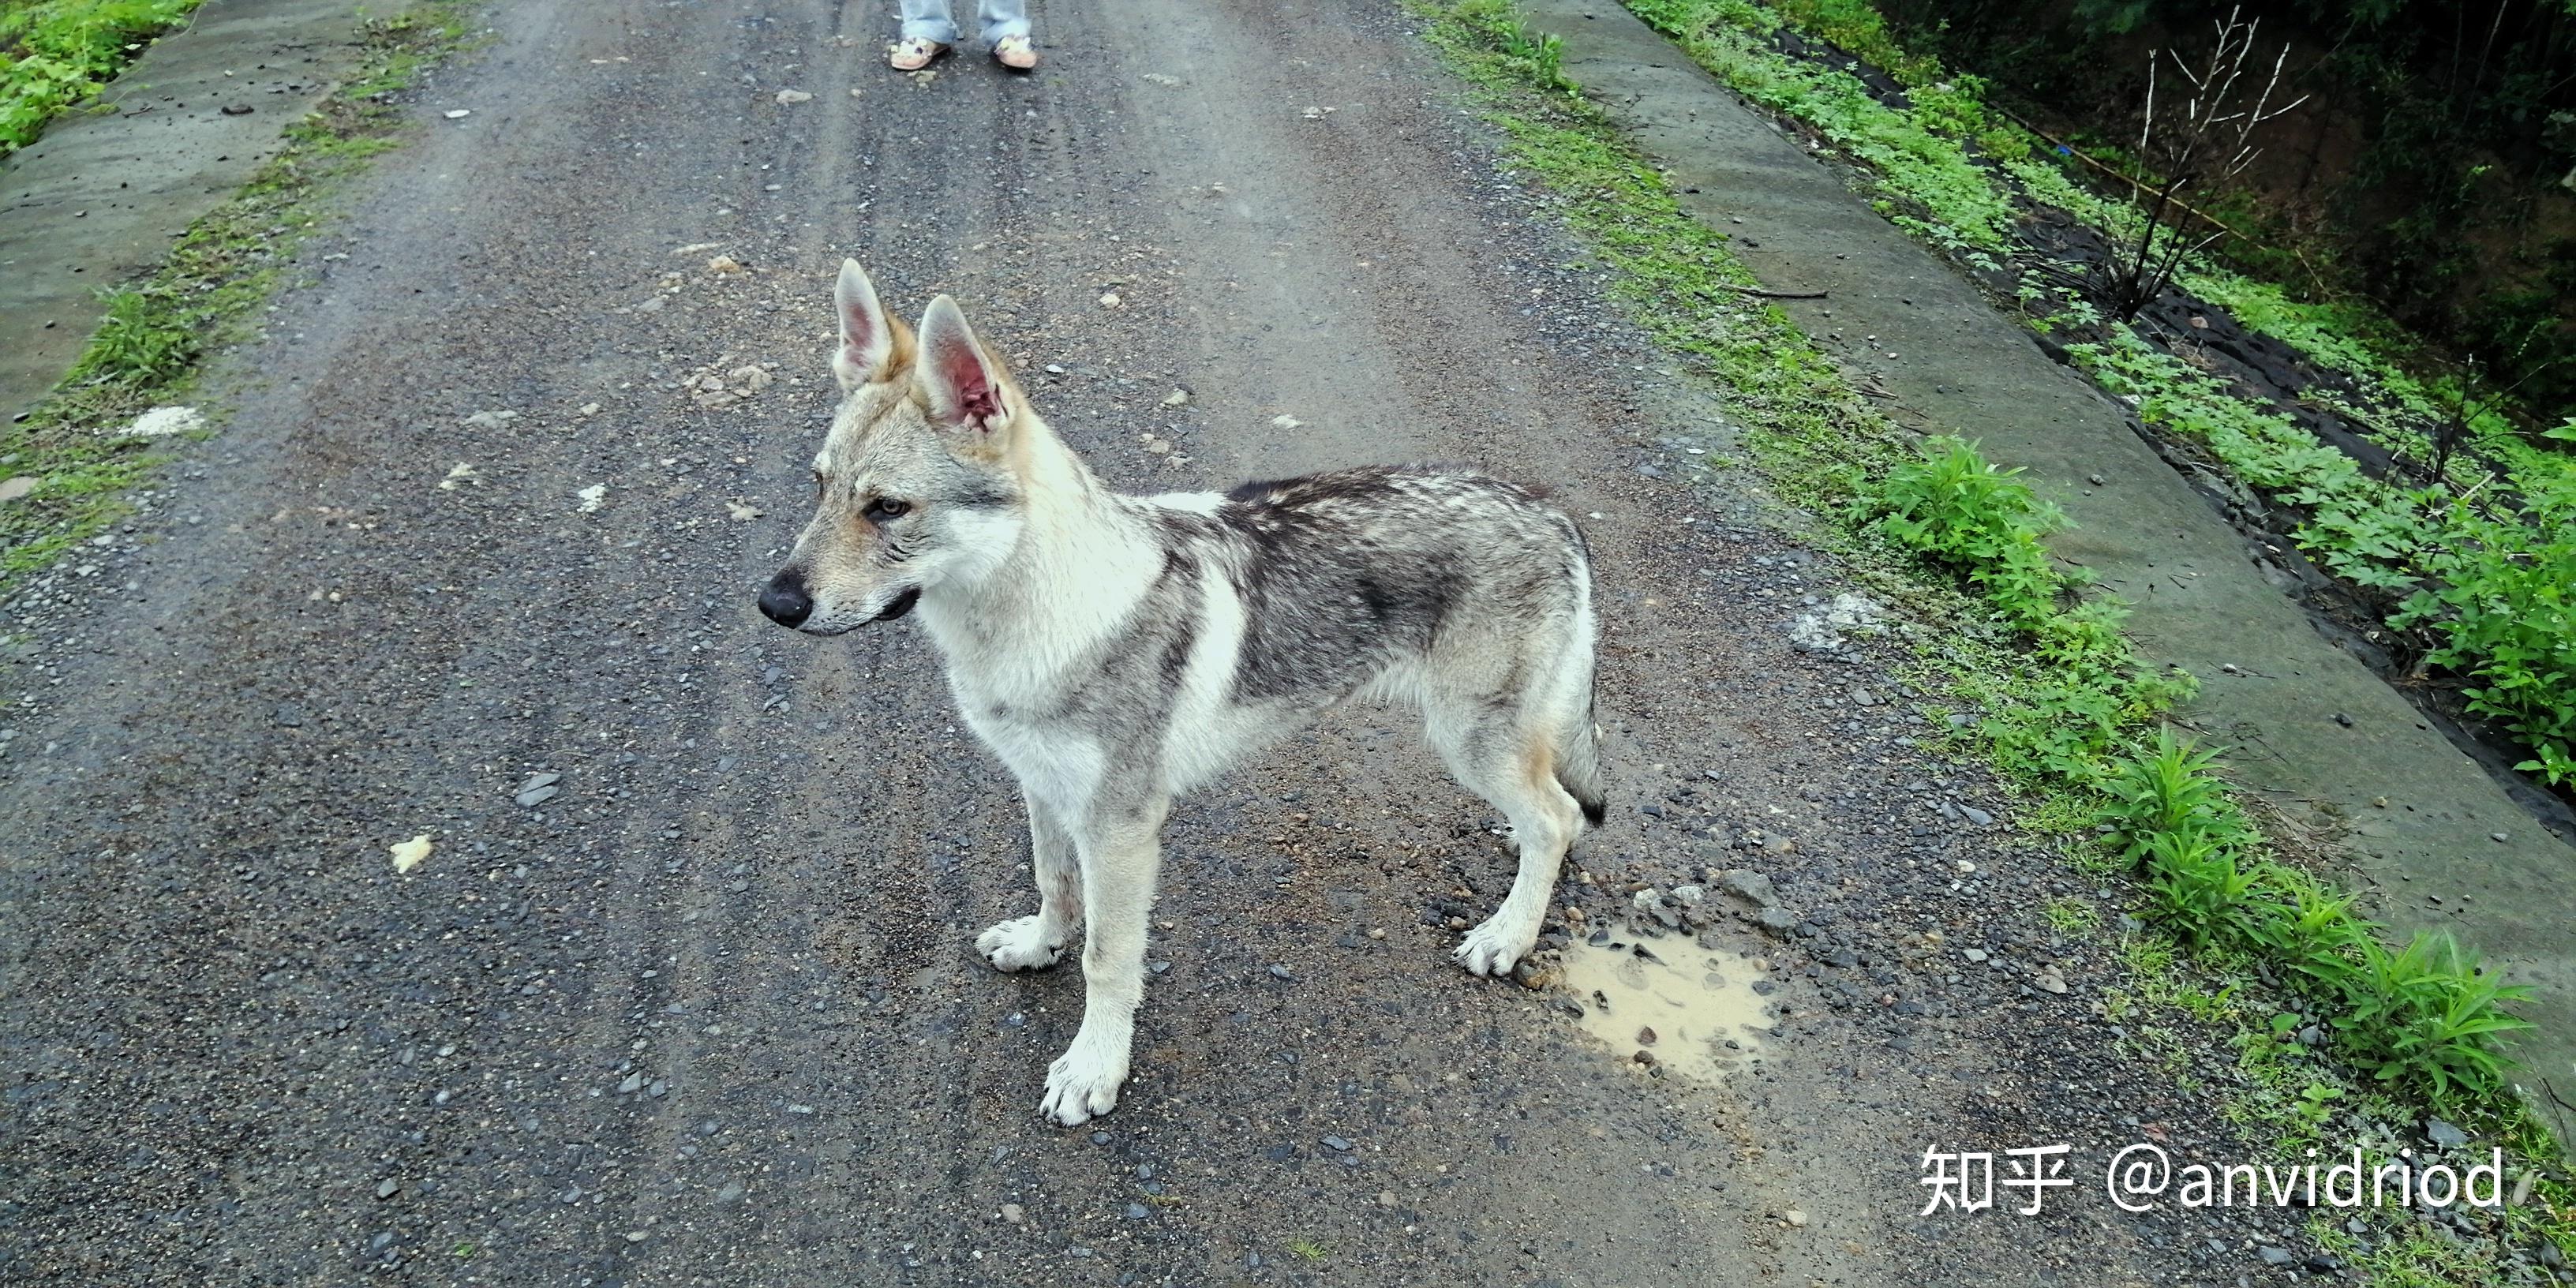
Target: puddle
point(1705, 1019)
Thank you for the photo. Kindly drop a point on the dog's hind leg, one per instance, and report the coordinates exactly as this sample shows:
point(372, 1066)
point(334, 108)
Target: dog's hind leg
point(1035, 942)
point(1121, 850)
point(1512, 762)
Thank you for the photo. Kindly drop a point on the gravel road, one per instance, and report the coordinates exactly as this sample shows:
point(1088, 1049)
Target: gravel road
point(684, 991)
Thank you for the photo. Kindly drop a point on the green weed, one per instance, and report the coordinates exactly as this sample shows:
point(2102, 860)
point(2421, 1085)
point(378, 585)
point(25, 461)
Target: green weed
point(1978, 520)
point(54, 54)
point(2071, 916)
point(1543, 52)
point(145, 340)
point(2425, 1016)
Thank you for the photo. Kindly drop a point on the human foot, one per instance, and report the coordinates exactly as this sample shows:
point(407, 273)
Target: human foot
point(1015, 52)
point(913, 53)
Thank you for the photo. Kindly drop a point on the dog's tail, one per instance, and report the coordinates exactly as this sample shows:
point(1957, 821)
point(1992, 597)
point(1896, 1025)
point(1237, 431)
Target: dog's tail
point(1578, 740)
point(1578, 766)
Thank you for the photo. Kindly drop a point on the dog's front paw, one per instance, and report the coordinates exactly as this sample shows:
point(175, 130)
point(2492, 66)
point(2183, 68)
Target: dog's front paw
point(1081, 1086)
point(1018, 944)
point(1493, 947)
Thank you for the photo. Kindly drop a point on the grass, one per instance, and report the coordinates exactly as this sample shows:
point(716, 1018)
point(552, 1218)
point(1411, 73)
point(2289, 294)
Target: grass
point(56, 53)
point(2478, 580)
point(2068, 713)
point(158, 330)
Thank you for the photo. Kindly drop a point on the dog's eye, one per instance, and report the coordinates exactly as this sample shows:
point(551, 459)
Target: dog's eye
point(882, 509)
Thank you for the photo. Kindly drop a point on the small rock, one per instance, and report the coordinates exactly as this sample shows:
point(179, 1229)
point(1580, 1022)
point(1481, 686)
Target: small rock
point(1011, 1212)
point(2444, 1134)
point(1110, 300)
point(1794, 1217)
point(17, 488)
point(2277, 1257)
point(1750, 886)
point(1864, 697)
point(1278, 971)
point(1645, 1037)
point(289, 715)
point(459, 114)
point(634, 1082)
point(1779, 923)
point(388, 1187)
point(1973, 954)
point(2048, 981)
point(732, 1190)
point(1176, 398)
point(794, 96)
point(536, 796)
point(2498, 837)
point(1137, 1212)
point(1977, 816)
point(1337, 1144)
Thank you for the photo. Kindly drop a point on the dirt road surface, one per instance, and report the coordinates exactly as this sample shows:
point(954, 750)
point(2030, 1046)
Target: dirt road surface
point(707, 1011)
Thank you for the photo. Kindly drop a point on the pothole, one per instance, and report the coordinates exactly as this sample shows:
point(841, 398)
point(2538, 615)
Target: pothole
point(1689, 1010)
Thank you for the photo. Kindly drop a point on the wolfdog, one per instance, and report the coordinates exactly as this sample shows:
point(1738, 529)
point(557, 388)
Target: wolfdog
point(1115, 651)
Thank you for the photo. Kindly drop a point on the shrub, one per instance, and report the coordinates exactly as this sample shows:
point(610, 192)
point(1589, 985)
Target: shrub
point(1981, 521)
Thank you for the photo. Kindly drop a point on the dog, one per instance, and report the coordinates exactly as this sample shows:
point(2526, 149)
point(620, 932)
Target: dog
point(1115, 651)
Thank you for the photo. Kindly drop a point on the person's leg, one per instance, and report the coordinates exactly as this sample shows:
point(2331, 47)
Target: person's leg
point(1002, 19)
point(928, 20)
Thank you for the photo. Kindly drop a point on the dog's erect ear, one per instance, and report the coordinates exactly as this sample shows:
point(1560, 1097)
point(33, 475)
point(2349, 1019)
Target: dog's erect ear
point(965, 393)
point(867, 338)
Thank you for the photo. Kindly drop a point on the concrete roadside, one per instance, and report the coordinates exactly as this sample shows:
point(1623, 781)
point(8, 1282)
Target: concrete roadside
point(2435, 842)
point(103, 194)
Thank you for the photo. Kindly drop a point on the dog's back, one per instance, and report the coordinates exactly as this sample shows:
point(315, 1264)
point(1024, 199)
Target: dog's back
point(1433, 583)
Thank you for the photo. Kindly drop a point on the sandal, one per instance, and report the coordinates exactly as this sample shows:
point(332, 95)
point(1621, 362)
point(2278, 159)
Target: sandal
point(1015, 52)
point(913, 53)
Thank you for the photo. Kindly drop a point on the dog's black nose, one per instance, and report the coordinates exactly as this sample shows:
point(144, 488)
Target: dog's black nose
point(784, 600)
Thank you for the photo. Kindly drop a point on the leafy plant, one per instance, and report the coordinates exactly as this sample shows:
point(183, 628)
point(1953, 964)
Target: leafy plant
point(2429, 1013)
point(146, 338)
point(2198, 890)
point(2169, 791)
point(1543, 51)
point(2505, 608)
point(1981, 521)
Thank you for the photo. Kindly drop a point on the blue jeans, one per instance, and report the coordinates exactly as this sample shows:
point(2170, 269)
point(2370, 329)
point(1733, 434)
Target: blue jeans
point(928, 20)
